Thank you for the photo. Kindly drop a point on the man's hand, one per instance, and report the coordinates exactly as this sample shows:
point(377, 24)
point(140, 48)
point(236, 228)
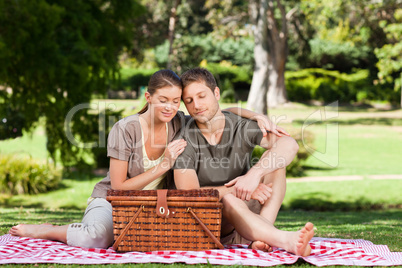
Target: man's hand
point(262, 193)
point(243, 187)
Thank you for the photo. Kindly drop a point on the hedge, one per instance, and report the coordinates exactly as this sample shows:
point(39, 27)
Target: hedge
point(328, 86)
point(303, 85)
point(23, 175)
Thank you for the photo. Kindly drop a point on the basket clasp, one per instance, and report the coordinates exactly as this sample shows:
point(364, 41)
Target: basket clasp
point(162, 209)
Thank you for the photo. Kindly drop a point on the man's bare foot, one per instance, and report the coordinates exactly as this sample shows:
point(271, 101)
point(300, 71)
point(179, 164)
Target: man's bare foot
point(302, 246)
point(31, 230)
point(259, 245)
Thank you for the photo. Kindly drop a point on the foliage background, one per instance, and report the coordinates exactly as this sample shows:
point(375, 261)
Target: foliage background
point(57, 55)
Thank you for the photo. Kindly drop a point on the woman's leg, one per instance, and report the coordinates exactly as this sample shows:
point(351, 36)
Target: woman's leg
point(41, 231)
point(95, 230)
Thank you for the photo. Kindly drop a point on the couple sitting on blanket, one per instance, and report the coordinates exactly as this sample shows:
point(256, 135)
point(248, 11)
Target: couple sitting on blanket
point(210, 149)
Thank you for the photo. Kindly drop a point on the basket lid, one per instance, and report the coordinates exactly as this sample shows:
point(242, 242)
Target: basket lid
point(196, 194)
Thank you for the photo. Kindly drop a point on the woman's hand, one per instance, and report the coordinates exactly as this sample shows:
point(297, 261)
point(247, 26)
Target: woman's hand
point(262, 193)
point(267, 125)
point(173, 150)
point(243, 187)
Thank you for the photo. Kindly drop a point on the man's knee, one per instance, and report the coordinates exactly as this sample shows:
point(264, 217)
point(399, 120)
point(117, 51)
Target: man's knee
point(279, 174)
point(232, 204)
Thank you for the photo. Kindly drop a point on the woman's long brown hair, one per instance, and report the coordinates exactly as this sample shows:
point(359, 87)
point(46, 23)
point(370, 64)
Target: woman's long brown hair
point(160, 79)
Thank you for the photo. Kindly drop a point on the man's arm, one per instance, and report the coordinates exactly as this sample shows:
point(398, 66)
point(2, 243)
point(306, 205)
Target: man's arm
point(187, 179)
point(280, 153)
point(264, 123)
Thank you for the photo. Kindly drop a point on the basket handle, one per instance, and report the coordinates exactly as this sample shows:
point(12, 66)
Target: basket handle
point(210, 234)
point(123, 233)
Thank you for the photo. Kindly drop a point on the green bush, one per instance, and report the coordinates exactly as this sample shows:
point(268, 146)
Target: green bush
point(24, 175)
point(132, 79)
point(328, 86)
point(304, 85)
point(233, 81)
point(341, 56)
point(97, 127)
point(295, 168)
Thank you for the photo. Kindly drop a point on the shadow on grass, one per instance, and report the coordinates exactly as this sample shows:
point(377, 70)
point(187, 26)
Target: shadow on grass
point(383, 121)
point(388, 221)
point(319, 201)
point(10, 217)
point(305, 167)
point(301, 171)
point(83, 176)
point(13, 203)
point(358, 107)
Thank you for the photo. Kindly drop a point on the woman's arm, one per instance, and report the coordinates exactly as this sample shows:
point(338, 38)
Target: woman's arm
point(263, 121)
point(118, 175)
point(119, 168)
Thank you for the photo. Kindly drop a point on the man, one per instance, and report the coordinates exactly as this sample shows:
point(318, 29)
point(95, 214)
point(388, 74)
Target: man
point(219, 146)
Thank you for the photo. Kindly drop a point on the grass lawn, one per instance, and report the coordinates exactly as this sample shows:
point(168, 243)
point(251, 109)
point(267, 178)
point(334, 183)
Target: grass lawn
point(358, 150)
point(344, 198)
point(380, 227)
point(332, 195)
point(350, 202)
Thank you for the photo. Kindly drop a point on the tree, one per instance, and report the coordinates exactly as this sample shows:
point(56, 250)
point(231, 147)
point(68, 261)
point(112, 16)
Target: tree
point(172, 25)
point(55, 55)
point(270, 30)
point(259, 86)
point(270, 54)
point(357, 34)
point(390, 55)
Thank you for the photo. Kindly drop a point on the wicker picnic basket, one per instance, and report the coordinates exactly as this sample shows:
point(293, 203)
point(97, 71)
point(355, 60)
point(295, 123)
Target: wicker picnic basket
point(150, 220)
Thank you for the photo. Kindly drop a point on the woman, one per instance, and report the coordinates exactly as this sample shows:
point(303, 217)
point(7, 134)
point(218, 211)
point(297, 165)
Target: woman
point(141, 153)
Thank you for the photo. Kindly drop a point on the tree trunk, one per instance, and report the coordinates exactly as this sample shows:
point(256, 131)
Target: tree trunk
point(172, 25)
point(276, 75)
point(259, 86)
point(270, 54)
point(277, 43)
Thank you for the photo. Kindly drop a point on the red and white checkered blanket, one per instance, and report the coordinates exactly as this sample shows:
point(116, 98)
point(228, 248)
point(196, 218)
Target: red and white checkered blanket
point(325, 251)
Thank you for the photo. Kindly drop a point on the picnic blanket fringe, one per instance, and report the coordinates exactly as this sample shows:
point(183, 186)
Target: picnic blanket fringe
point(325, 251)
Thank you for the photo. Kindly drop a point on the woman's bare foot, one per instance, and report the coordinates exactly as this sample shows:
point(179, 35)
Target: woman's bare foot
point(259, 245)
point(31, 230)
point(302, 246)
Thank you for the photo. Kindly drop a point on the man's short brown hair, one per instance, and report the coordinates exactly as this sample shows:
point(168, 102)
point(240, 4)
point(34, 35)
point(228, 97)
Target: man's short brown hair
point(199, 75)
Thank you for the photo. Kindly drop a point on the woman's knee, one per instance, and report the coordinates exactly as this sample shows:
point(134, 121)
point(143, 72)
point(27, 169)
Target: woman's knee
point(90, 235)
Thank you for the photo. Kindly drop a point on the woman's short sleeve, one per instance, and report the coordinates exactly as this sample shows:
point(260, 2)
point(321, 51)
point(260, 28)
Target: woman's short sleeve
point(121, 140)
